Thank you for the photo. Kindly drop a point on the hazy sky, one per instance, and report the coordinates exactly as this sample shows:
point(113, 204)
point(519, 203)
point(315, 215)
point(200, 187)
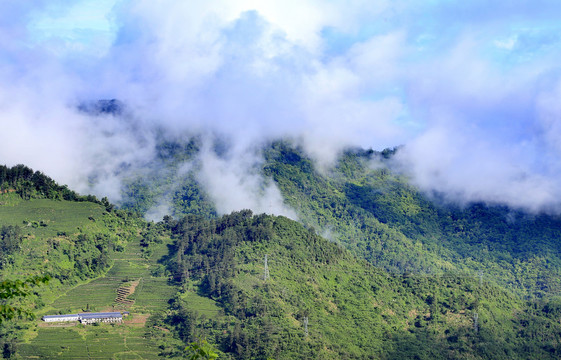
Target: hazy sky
point(471, 88)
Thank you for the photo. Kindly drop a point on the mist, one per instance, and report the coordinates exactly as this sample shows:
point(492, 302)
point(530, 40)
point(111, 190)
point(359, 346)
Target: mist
point(471, 91)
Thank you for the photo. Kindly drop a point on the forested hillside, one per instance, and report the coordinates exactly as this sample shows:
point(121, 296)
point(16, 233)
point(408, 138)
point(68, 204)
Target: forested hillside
point(313, 299)
point(29, 184)
point(373, 268)
point(378, 215)
point(370, 208)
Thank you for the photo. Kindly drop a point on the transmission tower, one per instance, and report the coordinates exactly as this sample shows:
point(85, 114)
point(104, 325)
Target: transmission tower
point(266, 273)
point(306, 326)
point(475, 323)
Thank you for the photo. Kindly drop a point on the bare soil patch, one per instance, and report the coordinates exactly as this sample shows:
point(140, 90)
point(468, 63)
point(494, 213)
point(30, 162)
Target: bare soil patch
point(136, 320)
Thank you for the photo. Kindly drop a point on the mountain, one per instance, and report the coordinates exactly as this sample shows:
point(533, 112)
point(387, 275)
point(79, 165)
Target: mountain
point(368, 206)
point(375, 212)
point(373, 268)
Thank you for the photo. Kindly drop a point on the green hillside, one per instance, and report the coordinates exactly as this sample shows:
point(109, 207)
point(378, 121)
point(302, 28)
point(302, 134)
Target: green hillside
point(352, 309)
point(373, 211)
point(370, 208)
point(91, 253)
point(131, 340)
point(373, 269)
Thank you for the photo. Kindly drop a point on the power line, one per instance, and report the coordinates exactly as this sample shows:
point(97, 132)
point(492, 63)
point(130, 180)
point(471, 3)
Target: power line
point(371, 271)
point(266, 273)
point(204, 269)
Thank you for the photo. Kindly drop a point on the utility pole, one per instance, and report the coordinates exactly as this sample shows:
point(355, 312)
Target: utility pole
point(266, 274)
point(306, 326)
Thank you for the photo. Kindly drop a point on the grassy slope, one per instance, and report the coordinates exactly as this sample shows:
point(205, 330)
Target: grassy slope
point(47, 224)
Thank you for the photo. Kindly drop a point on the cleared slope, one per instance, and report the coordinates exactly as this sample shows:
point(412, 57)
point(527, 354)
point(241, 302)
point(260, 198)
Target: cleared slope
point(89, 253)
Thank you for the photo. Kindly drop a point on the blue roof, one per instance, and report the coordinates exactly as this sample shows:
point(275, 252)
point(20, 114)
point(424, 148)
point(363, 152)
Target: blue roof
point(100, 315)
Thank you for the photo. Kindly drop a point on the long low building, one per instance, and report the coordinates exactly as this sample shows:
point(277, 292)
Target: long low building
point(59, 318)
point(89, 318)
point(86, 318)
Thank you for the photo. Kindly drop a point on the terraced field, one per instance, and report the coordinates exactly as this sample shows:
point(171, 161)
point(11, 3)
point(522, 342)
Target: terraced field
point(134, 283)
point(90, 342)
point(106, 341)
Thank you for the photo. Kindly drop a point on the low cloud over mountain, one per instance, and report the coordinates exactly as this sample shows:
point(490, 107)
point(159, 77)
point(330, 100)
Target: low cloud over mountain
point(470, 90)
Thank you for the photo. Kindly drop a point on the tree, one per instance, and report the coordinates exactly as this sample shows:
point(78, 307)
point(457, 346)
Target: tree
point(10, 236)
point(108, 206)
point(10, 241)
point(12, 289)
point(201, 350)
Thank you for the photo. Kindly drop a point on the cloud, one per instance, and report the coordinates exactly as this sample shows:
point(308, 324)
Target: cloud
point(233, 181)
point(465, 166)
point(470, 89)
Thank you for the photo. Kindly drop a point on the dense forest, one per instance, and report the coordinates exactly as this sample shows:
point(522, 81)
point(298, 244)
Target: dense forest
point(316, 300)
point(379, 216)
point(368, 207)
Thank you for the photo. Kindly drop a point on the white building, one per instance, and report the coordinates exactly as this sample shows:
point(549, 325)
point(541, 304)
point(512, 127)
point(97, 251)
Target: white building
point(58, 318)
point(86, 318)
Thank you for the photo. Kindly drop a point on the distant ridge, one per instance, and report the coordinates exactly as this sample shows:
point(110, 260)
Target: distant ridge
point(101, 107)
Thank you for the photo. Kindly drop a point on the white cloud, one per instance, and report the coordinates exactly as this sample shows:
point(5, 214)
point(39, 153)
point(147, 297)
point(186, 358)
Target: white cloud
point(234, 183)
point(508, 43)
point(465, 167)
point(549, 117)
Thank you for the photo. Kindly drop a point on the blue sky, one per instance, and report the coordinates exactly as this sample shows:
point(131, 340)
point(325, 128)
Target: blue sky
point(469, 87)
